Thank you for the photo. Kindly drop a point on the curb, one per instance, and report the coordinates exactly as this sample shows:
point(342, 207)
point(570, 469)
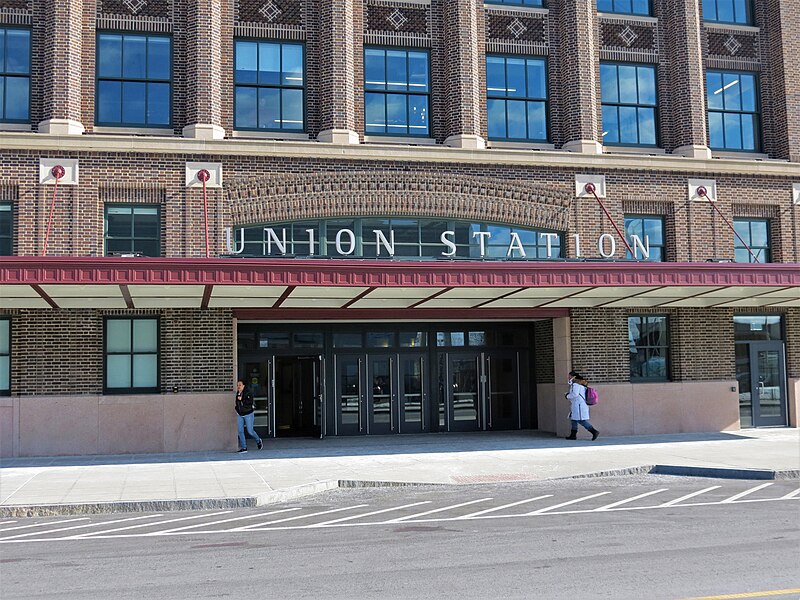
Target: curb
point(726, 473)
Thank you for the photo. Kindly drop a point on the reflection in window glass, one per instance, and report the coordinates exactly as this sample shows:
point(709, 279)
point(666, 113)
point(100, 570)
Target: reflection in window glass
point(380, 339)
point(733, 115)
point(752, 234)
point(413, 339)
point(5, 356)
point(758, 328)
point(132, 229)
point(15, 74)
point(629, 104)
point(477, 338)
point(650, 231)
point(728, 11)
point(396, 92)
point(516, 91)
point(649, 348)
point(6, 229)
point(347, 340)
point(625, 7)
point(271, 339)
point(131, 355)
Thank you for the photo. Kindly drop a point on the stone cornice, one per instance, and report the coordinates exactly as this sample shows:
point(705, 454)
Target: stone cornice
point(377, 152)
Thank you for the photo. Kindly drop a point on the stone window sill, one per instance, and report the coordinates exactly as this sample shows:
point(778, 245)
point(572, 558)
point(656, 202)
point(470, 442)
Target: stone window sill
point(500, 145)
point(270, 135)
point(161, 131)
point(389, 139)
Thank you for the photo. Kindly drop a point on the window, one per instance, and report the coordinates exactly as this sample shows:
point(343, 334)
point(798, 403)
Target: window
point(516, 90)
point(396, 92)
point(15, 75)
point(650, 231)
point(6, 229)
point(133, 80)
point(629, 104)
point(625, 7)
point(269, 79)
point(649, 348)
point(733, 119)
point(728, 11)
point(131, 360)
point(755, 233)
point(5, 357)
point(132, 228)
point(539, 3)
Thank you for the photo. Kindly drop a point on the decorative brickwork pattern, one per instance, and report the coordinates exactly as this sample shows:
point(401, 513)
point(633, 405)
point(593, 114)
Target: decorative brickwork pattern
point(139, 8)
point(516, 28)
point(283, 12)
point(15, 5)
point(627, 37)
point(743, 46)
point(393, 18)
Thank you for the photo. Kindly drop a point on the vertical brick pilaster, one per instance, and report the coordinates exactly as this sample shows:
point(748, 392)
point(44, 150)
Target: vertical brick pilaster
point(337, 39)
point(686, 77)
point(579, 70)
point(61, 67)
point(464, 35)
point(204, 71)
point(783, 59)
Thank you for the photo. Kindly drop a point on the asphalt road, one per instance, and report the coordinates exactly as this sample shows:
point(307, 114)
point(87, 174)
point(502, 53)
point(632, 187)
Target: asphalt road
point(653, 537)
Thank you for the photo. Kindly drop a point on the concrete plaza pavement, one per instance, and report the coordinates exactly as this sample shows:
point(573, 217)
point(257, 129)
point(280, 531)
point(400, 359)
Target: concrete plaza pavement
point(291, 468)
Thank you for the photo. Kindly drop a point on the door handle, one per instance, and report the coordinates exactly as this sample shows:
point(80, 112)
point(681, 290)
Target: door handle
point(392, 396)
point(489, 389)
point(360, 398)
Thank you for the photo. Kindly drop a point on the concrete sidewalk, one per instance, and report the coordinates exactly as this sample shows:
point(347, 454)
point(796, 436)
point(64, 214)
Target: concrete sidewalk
point(287, 469)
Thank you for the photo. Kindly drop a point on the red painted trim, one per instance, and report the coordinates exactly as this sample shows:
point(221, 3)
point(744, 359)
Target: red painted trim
point(381, 273)
point(394, 314)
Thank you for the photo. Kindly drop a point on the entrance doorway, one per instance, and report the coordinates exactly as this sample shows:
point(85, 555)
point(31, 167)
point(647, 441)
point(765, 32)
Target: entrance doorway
point(480, 390)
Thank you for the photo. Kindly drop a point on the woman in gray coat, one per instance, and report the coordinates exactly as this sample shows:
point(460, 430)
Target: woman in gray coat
point(579, 410)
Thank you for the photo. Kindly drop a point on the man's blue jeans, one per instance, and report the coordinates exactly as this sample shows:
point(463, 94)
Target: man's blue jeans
point(246, 421)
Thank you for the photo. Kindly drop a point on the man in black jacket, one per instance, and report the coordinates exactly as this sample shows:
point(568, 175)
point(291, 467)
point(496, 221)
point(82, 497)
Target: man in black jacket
point(245, 410)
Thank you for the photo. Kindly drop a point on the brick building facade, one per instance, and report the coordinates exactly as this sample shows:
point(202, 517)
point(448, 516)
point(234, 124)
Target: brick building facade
point(60, 286)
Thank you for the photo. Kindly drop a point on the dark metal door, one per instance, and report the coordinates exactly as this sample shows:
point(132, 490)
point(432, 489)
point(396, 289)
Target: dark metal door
point(768, 377)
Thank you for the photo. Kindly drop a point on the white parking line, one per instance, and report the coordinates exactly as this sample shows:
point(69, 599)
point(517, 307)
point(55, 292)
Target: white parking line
point(254, 526)
point(12, 537)
point(791, 494)
point(369, 514)
point(745, 493)
point(43, 524)
point(687, 496)
point(7, 522)
point(437, 510)
point(273, 512)
point(542, 510)
point(621, 502)
point(496, 508)
point(104, 532)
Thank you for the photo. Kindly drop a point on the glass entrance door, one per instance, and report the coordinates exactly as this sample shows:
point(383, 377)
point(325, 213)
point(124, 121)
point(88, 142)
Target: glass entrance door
point(257, 375)
point(297, 396)
point(413, 395)
point(502, 388)
point(463, 391)
point(382, 396)
point(761, 373)
point(349, 394)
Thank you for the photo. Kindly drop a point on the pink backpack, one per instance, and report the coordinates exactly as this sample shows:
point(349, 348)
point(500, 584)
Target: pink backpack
point(591, 396)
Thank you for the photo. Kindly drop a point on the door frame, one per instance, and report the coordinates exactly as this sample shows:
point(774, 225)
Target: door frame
point(755, 397)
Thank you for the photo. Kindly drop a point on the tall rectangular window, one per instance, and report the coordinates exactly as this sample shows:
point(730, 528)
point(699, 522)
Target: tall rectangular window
point(134, 80)
point(269, 81)
point(733, 115)
point(648, 341)
point(625, 7)
point(132, 228)
point(15, 75)
point(5, 357)
point(650, 231)
point(629, 104)
point(755, 233)
point(516, 91)
point(6, 229)
point(131, 355)
point(397, 92)
point(728, 11)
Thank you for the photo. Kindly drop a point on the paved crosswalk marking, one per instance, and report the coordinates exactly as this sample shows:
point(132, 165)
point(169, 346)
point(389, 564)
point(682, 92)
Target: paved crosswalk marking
point(369, 514)
point(627, 500)
point(13, 537)
point(43, 524)
point(264, 514)
point(745, 493)
point(107, 531)
point(438, 510)
point(255, 526)
point(496, 508)
point(542, 510)
point(687, 496)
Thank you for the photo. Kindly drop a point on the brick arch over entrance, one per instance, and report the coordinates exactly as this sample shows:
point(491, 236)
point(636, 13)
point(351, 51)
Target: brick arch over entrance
point(291, 197)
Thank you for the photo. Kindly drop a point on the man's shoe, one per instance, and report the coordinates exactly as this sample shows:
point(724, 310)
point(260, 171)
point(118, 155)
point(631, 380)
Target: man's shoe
point(260, 444)
point(240, 450)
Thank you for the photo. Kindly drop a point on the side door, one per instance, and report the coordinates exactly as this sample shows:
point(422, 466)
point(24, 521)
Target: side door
point(412, 393)
point(464, 393)
point(768, 380)
point(382, 393)
point(349, 395)
point(502, 390)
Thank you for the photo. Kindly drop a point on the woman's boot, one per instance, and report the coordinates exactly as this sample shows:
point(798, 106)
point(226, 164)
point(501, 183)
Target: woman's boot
point(594, 433)
point(573, 435)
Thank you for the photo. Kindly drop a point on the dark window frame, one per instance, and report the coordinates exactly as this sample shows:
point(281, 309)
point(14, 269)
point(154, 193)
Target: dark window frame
point(132, 238)
point(527, 3)
point(7, 392)
point(407, 93)
point(615, 11)
point(145, 80)
point(662, 245)
point(5, 74)
point(737, 244)
point(649, 347)
point(618, 104)
point(133, 389)
point(757, 127)
point(8, 235)
point(303, 88)
point(749, 16)
point(525, 99)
